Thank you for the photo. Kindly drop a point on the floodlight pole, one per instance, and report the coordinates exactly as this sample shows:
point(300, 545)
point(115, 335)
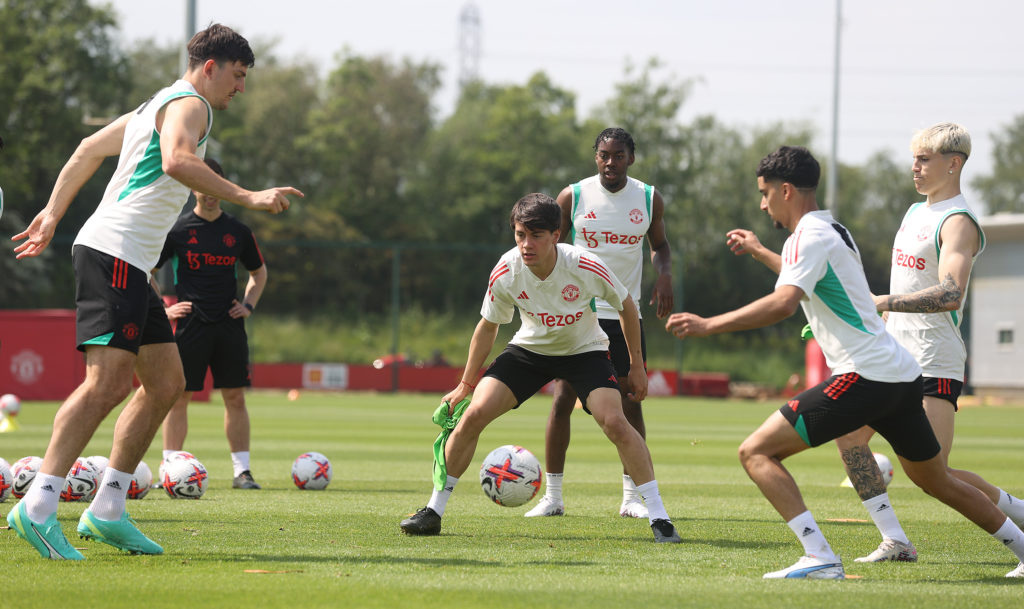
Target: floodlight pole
point(190, 31)
point(831, 187)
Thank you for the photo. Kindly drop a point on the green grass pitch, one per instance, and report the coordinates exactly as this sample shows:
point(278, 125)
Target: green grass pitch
point(281, 547)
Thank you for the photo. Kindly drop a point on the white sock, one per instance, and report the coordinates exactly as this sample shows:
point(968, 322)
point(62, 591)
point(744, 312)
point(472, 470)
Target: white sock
point(1012, 507)
point(1011, 536)
point(439, 499)
point(629, 491)
point(885, 518)
point(240, 461)
point(42, 497)
point(553, 486)
point(652, 498)
point(807, 531)
point(168, 453)
point(109, 503)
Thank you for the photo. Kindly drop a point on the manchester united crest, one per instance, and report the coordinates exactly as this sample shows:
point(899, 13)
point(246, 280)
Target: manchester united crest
point(570, 293)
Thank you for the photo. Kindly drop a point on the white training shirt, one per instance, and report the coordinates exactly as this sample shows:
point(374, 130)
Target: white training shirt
point(932, 338)
point(556, 315)
point(141, 202)
point(821, 259)
point(613, 226)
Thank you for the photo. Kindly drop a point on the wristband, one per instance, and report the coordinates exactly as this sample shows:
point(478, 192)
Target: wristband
point(248, 306)
point(468, 385)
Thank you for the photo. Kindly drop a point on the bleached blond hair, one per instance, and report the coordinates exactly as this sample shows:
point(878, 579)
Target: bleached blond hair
point(944, 138)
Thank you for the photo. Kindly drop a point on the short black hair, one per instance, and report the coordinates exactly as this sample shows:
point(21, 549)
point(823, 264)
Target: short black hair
point(793, 164)
point(536, 211)
point(221, 44)
point(215, 166)
point(617, 134)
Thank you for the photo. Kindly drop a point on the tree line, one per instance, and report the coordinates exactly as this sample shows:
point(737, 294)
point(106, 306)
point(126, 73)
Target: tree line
point(384, 173)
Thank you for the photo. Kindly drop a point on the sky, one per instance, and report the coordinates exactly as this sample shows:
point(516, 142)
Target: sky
point(903, 65)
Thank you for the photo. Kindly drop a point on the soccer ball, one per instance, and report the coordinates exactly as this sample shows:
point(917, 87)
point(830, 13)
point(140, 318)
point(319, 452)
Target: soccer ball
point(100, 463)
point(10, 404)
point(885, 465)
point(24, 471)
point(6, 480)
point(184, 478)
point(178, 454)
point(142, 479)
point(510, 475)
point(311, 472)
point(81, 482)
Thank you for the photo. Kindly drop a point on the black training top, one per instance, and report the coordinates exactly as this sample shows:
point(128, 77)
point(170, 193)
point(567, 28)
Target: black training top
point(204, 255)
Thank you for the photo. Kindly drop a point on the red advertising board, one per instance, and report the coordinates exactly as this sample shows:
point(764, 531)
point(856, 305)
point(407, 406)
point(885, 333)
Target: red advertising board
point(38, 358)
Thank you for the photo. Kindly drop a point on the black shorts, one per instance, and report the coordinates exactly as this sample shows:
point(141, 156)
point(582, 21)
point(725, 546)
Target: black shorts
point(847, 402)
point(944, 389)
point(617, 348)
point(526, 372)
point(220, 346)
point(116, 305)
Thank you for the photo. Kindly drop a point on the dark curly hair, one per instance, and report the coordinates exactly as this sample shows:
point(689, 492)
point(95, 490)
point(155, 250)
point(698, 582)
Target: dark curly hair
point(793, 164)
point(616, 134)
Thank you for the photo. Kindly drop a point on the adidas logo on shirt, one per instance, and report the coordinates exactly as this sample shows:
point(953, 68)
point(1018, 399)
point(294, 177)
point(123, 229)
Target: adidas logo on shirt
point(522, 296)
point(590, 216)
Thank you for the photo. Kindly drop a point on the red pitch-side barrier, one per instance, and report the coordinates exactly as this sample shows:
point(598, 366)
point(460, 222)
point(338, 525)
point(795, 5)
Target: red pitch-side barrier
point(38, 361)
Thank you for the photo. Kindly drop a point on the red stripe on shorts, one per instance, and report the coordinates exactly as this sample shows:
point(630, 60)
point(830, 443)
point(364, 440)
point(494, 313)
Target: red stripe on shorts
point(842, 383)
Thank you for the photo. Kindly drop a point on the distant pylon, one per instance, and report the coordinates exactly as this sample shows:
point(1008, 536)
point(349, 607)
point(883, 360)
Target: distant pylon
point(469, 44)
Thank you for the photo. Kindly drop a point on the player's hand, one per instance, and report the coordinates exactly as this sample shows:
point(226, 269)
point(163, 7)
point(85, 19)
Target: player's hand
point(178, 310)
point(274, 200)
point(742, 241)
point(455, 396)
point(238, 310)
point(682, 325)
point(661, 296)
point(39, 233)
point(881, 302)
point(637, 383)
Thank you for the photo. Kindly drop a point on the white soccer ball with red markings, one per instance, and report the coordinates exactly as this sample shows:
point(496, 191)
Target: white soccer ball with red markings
point(24, 471)
point(142, 480)
point(312, 472)
point(885, 465)
point(510, 475)
point(81, 482)
point(178, 454)
point(6, 480)
point(100, 463)
point(184, 478)
point(10, 405)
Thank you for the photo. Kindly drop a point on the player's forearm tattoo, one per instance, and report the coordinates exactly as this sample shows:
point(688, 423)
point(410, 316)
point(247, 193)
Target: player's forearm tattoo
point(863, 471)
point(944, 297)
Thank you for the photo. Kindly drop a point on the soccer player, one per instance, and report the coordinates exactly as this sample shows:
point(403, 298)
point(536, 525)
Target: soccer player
point(551, 284)
point(932, 257)
point(609, 214)
point(121, 325)
point(204, 246)
point(875, 381)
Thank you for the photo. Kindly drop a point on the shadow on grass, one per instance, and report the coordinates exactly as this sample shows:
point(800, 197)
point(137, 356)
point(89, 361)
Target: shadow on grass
point(362, 559)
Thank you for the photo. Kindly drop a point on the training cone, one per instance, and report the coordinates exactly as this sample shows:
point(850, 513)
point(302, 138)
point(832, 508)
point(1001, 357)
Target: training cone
point(8, 424)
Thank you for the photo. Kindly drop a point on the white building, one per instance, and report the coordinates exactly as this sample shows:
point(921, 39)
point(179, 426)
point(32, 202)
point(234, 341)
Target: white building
point(996, 313)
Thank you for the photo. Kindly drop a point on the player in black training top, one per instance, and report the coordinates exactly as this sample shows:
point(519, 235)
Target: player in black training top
point(204, 247)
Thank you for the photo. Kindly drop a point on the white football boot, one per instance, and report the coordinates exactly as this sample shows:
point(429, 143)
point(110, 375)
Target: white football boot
point(547, 507)
point(810, 567)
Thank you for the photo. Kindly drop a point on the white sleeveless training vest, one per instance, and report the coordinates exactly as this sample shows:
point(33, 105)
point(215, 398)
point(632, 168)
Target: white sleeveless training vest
point(932, 338)
point(141, 202)
point(613, 226)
